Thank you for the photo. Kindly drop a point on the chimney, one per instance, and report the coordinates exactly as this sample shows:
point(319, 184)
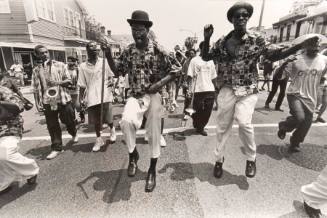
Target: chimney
point(103, 29)
point(109, 32)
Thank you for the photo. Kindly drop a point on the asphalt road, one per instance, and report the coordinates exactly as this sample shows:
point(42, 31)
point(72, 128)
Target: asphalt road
point(80, 183)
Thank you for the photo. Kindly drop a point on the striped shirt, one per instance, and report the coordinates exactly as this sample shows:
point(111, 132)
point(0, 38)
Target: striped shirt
point(48, 75)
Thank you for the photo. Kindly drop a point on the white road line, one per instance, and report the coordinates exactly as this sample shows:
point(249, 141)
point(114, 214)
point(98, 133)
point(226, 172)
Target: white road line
point(141, 132)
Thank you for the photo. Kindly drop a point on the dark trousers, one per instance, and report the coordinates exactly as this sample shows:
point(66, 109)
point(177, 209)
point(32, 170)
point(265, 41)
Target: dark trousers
point(203, 103)
point(300, 120)
point(66, 114)
point(282, 87)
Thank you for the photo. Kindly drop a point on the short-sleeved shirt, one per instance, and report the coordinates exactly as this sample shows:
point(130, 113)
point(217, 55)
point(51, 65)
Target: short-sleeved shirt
point(46, 75)
point(205, 72)
point(305, 76)
point(240, 70)
point(144, 67)
point(90, 77)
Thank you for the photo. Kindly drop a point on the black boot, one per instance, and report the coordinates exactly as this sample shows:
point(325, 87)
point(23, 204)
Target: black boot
point(32, 180)
point(250, 169)
point(218, 169)
point(132, 166)
point(151, 178)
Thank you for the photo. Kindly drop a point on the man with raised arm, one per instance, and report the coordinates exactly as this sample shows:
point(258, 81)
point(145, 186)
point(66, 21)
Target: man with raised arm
point(237, 55)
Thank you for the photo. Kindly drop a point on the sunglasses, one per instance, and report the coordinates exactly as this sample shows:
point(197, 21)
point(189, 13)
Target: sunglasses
point(239, 15)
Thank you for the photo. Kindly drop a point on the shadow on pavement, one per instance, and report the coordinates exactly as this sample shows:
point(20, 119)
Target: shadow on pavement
point(14, 193)
point(116, 184)
point(311, 156)
point(204, 172)
point(262, 110)
point(298, 213)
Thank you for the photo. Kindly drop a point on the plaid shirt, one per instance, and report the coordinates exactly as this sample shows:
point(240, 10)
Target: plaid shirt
point(144, 67)
point(240, 70)
point(46, 76)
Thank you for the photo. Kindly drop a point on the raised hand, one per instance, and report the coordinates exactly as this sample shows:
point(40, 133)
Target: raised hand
point(104, 43)
point(208, 31)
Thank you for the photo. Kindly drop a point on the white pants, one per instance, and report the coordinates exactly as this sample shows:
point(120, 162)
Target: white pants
point(135, 109)
point(231, 107)
point(13, 165)
point(315, 194)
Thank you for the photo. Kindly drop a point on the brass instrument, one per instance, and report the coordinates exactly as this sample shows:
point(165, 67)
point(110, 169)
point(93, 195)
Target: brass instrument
point(52, 94)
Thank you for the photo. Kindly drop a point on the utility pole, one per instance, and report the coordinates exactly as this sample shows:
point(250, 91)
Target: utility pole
point(261, 14)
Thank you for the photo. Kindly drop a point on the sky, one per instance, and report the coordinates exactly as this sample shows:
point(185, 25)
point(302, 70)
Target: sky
point(174, 20)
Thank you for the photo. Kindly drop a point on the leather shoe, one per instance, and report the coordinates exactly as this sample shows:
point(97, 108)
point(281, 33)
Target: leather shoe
point(250, 169)
point(312, 212)
point(294, 148)
point(32, 180)
point(218, 169)
point(150, 181)
point(132, 166)
point(278, 109)
point(202, 132)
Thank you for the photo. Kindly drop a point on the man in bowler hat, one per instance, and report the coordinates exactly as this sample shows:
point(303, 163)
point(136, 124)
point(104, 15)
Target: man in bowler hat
point(237, 55)
point(149, 68)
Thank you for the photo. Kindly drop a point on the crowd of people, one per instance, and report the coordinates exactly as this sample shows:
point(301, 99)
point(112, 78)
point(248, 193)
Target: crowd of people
point(148, 79)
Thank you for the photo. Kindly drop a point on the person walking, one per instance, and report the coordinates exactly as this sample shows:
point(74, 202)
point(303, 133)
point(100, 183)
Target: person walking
point(90, 82)
point(50, 80)
point(202, 73)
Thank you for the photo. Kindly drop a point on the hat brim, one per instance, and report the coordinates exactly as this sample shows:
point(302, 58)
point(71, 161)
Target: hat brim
point(235, 7)
point(145, 22)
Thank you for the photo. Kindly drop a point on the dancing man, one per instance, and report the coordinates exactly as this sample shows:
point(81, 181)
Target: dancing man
point(50, 80)
point(90, 81)
point(149, 69)
point(13, 165)
point(237, 56)
point(306, 71)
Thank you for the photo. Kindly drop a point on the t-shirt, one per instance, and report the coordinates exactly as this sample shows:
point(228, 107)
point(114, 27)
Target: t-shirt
point(90, 77)
point(306, 75)
point(205, 71)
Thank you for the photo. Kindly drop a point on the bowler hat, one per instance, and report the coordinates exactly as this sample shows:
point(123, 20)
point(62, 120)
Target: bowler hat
point(140, 17)
point(237, 6)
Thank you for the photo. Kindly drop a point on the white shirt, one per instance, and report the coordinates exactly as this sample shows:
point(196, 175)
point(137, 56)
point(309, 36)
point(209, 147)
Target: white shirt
point(205, 71)
point(90, 77)
point(306, 74)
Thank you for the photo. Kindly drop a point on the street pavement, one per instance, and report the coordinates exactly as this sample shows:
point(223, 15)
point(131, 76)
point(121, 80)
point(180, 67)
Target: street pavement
point(80, 183)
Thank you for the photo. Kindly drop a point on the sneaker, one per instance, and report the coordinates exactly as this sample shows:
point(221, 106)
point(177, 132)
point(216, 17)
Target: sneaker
point(75, 138)
point(98, 144)
point(319, 119)
point(54, 154)
point(162, 141)
point(113, 136)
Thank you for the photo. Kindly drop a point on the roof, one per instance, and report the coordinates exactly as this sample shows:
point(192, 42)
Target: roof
point(320, 9)
point(30, 45)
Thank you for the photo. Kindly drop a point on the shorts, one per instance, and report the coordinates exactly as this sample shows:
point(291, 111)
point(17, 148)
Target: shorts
point(95, 111)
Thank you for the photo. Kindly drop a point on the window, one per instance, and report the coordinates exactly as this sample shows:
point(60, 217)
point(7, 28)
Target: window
point(66, 15)
point(45, 9)
point(281, 34)
point(288, 32)
point(4, 7)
